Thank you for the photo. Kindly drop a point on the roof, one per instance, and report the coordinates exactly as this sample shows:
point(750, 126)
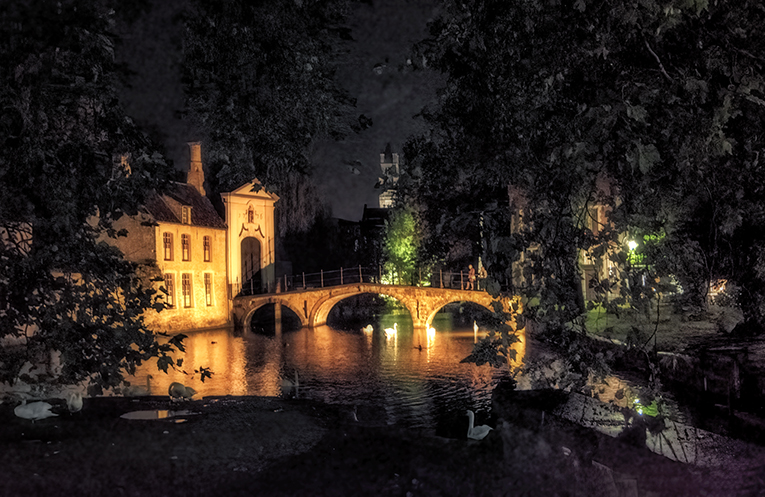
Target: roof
point(166, 207)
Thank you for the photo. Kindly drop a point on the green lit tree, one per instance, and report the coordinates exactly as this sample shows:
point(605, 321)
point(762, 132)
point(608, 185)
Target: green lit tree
point(62, 289)
point(401, 246)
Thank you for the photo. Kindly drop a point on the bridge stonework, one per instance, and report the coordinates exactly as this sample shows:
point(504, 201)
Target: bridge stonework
point(312, 305)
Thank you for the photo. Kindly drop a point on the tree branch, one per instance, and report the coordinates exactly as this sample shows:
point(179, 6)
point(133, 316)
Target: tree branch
point(661, 66)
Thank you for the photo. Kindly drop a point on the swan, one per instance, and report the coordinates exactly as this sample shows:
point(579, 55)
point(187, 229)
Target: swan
point(367, 329)
point(476, 432)
point(34, 411)
point(138, 390)
point(179, 391)
point(288, 385)
point(389, 332)
point(74, 401)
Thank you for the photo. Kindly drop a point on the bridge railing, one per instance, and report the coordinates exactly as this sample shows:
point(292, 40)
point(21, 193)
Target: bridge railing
point(361, 274)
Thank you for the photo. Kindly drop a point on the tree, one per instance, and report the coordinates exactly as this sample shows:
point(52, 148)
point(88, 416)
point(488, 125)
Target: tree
point(401, 245)
point(62, 184)
point(259, 80)
point(552, 96)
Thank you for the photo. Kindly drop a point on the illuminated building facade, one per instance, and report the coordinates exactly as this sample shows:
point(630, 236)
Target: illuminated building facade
point(251, 242)
point(181, 233)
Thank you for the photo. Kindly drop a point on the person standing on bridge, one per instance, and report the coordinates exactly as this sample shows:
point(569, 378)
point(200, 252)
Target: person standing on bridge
point(471, 277)
point(481, 275)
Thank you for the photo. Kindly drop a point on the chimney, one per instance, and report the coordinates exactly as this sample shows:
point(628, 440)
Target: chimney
point(196, 175)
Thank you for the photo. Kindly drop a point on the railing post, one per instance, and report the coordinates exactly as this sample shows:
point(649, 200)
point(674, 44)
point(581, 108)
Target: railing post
point(341, 275)
point(322, 278)
point(285, 282)
point(379, 277)
point(303, 280)
point(441, 275)
point(462, 281)
point(361, 280)
point(252, 290)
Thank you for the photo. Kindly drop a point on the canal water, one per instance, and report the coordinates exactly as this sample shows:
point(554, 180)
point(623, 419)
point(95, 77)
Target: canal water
point(412, 378)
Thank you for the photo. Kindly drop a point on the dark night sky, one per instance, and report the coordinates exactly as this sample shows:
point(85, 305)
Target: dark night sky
point(390, 94)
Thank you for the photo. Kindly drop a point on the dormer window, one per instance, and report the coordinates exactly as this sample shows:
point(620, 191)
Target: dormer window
point(185, 214)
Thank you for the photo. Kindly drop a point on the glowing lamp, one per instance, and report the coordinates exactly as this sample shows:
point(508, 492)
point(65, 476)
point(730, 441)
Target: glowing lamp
point(632, 244)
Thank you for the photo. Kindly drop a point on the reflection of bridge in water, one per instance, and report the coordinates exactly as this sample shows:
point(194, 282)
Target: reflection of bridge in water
point(312, 305)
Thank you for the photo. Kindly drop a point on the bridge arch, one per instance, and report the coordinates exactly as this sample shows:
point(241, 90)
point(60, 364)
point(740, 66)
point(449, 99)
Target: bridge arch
point(437, 308)
point(322, 307)
point(247, 320)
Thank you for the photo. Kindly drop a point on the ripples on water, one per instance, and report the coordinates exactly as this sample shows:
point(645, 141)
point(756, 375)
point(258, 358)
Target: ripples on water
point(413, 379)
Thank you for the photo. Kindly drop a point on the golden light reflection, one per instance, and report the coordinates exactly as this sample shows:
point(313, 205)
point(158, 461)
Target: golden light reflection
point(217, 350)
point(519, 347)
point(431, 342)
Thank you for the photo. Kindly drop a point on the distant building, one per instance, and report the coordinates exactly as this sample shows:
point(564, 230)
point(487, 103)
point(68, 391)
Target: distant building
point(390, 169)
point(372, 230)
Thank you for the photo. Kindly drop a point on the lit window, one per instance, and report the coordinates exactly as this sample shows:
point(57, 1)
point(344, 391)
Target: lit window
point(167, 241)
point(207, 244)
point(208, 289)
point(170, 287)
point(186, 214)
point(186, 289)
point(186, 247)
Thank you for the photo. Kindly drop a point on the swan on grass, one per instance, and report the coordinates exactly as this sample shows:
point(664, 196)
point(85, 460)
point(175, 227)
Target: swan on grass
point(476, 432)
point(391, 332)
point(34, 411)
point(74, 401)
point(178, 391)
point(138, 390)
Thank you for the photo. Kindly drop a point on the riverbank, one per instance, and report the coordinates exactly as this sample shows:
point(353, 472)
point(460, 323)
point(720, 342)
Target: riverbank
point(272, 446)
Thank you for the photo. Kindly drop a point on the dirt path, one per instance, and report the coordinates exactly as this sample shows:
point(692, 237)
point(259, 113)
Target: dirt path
point(266, 446)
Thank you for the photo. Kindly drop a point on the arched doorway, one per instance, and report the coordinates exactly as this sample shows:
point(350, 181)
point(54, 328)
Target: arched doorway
point(251, 277)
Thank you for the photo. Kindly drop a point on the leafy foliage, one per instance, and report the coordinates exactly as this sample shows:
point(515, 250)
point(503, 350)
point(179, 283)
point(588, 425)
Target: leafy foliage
point(259, 80)
point(62, 289)
point(663, 102)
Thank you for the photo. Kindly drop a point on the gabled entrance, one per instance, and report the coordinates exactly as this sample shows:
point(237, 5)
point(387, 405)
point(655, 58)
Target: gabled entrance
point(250, 222)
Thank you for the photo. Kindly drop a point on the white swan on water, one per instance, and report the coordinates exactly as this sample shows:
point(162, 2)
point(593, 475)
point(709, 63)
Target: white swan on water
point(288, 385)
point(476, 432)
point(367, 329)
point(391, 332)
point(74, 401)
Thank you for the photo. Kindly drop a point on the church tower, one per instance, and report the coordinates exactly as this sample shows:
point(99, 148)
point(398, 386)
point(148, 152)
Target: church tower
point(389, 166)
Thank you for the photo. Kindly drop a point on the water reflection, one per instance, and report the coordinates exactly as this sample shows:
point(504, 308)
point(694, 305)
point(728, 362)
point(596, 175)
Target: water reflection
point(411, 374)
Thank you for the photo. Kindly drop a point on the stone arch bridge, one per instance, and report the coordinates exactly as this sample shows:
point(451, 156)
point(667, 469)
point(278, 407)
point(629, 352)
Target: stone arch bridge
point(312, 305)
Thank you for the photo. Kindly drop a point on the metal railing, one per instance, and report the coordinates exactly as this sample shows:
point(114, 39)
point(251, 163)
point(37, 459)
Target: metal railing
point(360, 274)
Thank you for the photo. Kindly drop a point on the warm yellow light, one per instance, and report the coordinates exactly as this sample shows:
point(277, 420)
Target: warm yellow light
point(632, 244)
